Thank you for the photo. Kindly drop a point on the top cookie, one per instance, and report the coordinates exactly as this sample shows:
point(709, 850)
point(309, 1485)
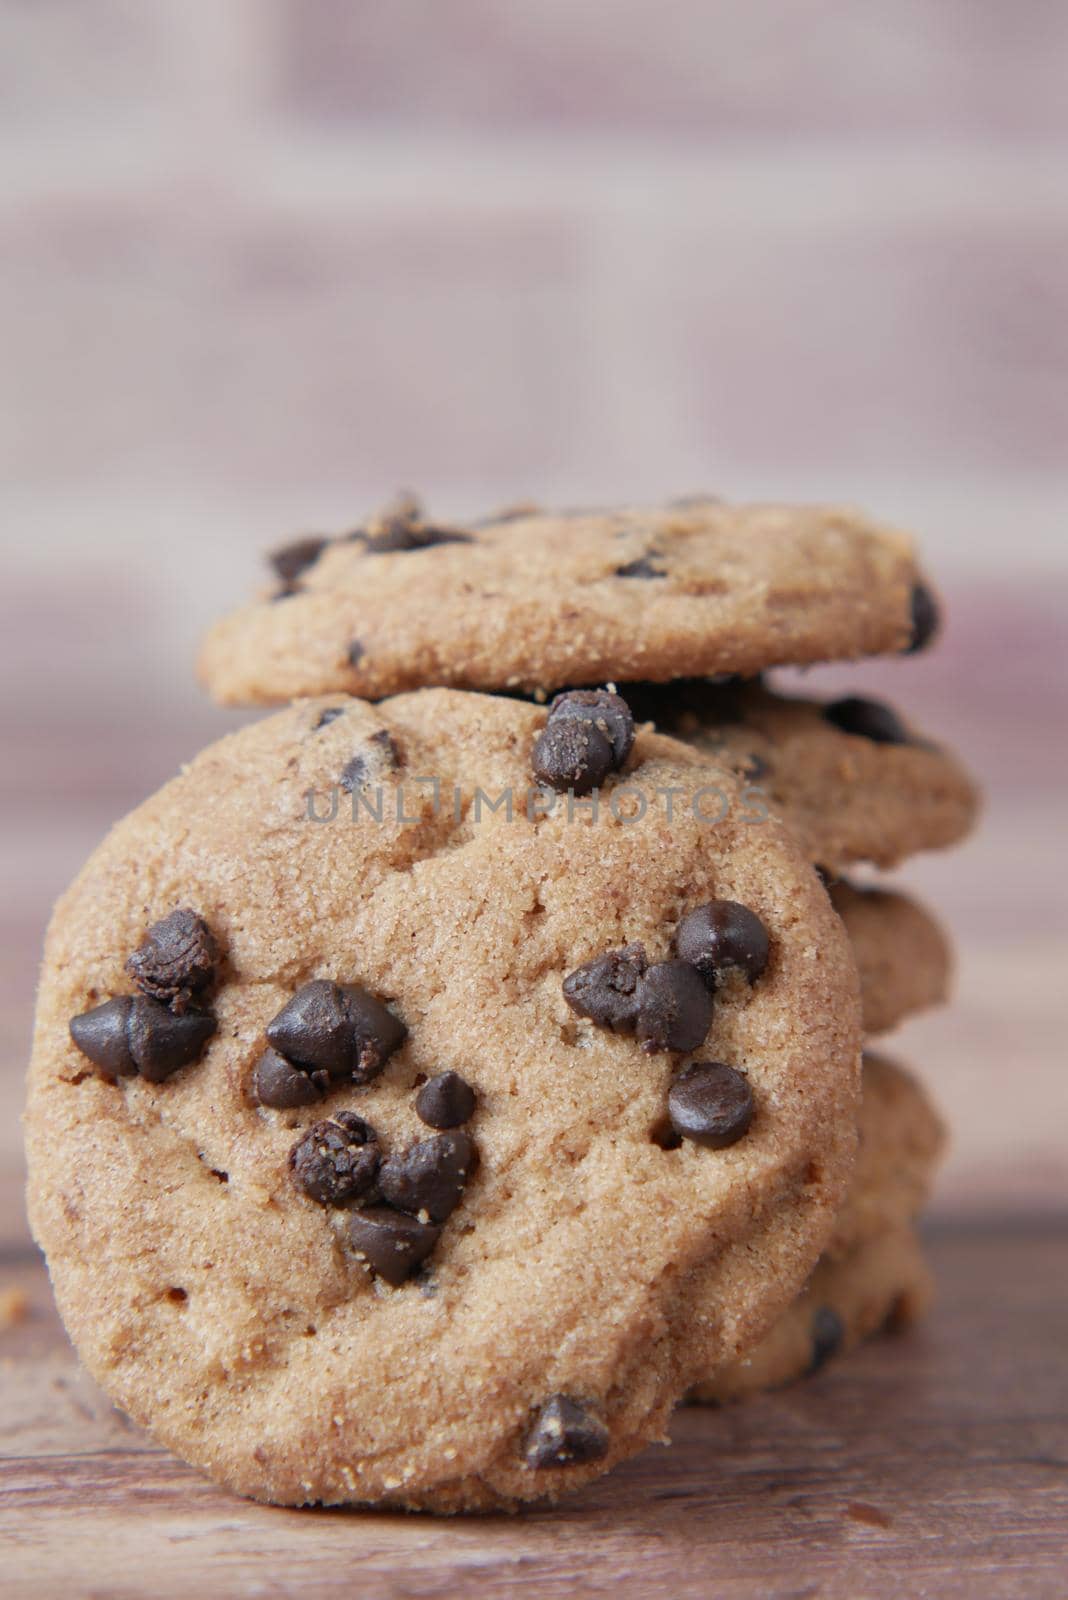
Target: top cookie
point(358, 1182)
point(535, 601)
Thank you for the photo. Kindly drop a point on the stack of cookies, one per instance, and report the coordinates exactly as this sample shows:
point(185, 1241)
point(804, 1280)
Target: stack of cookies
point(448, 1074)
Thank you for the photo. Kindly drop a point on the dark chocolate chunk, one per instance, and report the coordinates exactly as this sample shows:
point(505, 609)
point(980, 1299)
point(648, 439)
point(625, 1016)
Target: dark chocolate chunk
point(161, 1042)
point(869, 719)
point(101, 1035)
point(327, 716)
point(446, 1101)
point(354, 774)
point(336, 1161)
point(175, 960)
point(429, 1177)
point(606, 988)
point(135, 1034)
point(356, 653)
point(565, 1433)
point(641, 568)
point(828, 1331)
point(391, 1243)
point(382, 757)
point(572, 755)
point(926, 619)
point(276, 1082)
point(667, 1004)
point(293, 559)
point(609, 713)
point(403, 528)
point(339, 1029)
point(674, 1007)
point(723, 934)
point(711, 1104)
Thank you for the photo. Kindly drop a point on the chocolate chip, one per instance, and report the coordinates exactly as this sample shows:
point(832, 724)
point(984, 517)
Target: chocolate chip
point(572, 755)
point(339, 1029)
point(754, 767)
point(277, 1083)
point(382, 757)
point(326, 717)
point(828, 1331)
point(336, 1160)
point(641, 568)
point(925, 617)
point(674, 1007)
point(606, 988)
point(609, 713)
point(354, 774)
point(392, 1244)
point(711, 1104)
point(429, 1177)
point(445, 1101)
point(293, 559)
point(565, 1433)
point(723, 934)
point(403, 528)
point(135, 1034)
point(175, 960)
point(356, 653)
point(101, 1035)
point(667, 1004)
point(869, 719)
point(161, 1042)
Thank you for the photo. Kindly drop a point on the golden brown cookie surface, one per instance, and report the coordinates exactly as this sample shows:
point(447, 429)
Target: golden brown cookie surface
point(854, 780)
point(236, 1273)
point(903, 956)
point(542, 600)
point(872, 1271)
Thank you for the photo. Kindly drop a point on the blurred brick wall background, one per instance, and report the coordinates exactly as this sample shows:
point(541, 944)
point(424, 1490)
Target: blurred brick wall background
point(262, 262)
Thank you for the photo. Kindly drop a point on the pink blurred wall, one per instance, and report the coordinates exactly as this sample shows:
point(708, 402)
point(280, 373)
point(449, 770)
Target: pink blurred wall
point(264, 262)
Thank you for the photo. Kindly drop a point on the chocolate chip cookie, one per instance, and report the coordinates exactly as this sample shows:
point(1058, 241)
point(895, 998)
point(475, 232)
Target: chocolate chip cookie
point(413, 1219)
point(539, 600)
point(902, 954)
point(882, 1285)
point(856, 782)
point(872, 1272)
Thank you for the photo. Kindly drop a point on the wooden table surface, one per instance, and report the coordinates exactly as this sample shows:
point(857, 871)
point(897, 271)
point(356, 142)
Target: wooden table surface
point(932, 1464)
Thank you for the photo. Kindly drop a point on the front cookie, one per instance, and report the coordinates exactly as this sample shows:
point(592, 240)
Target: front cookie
point(406, 1223)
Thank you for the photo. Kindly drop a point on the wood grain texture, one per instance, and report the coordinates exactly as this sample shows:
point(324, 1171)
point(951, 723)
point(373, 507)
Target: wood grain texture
point(932, 1464)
